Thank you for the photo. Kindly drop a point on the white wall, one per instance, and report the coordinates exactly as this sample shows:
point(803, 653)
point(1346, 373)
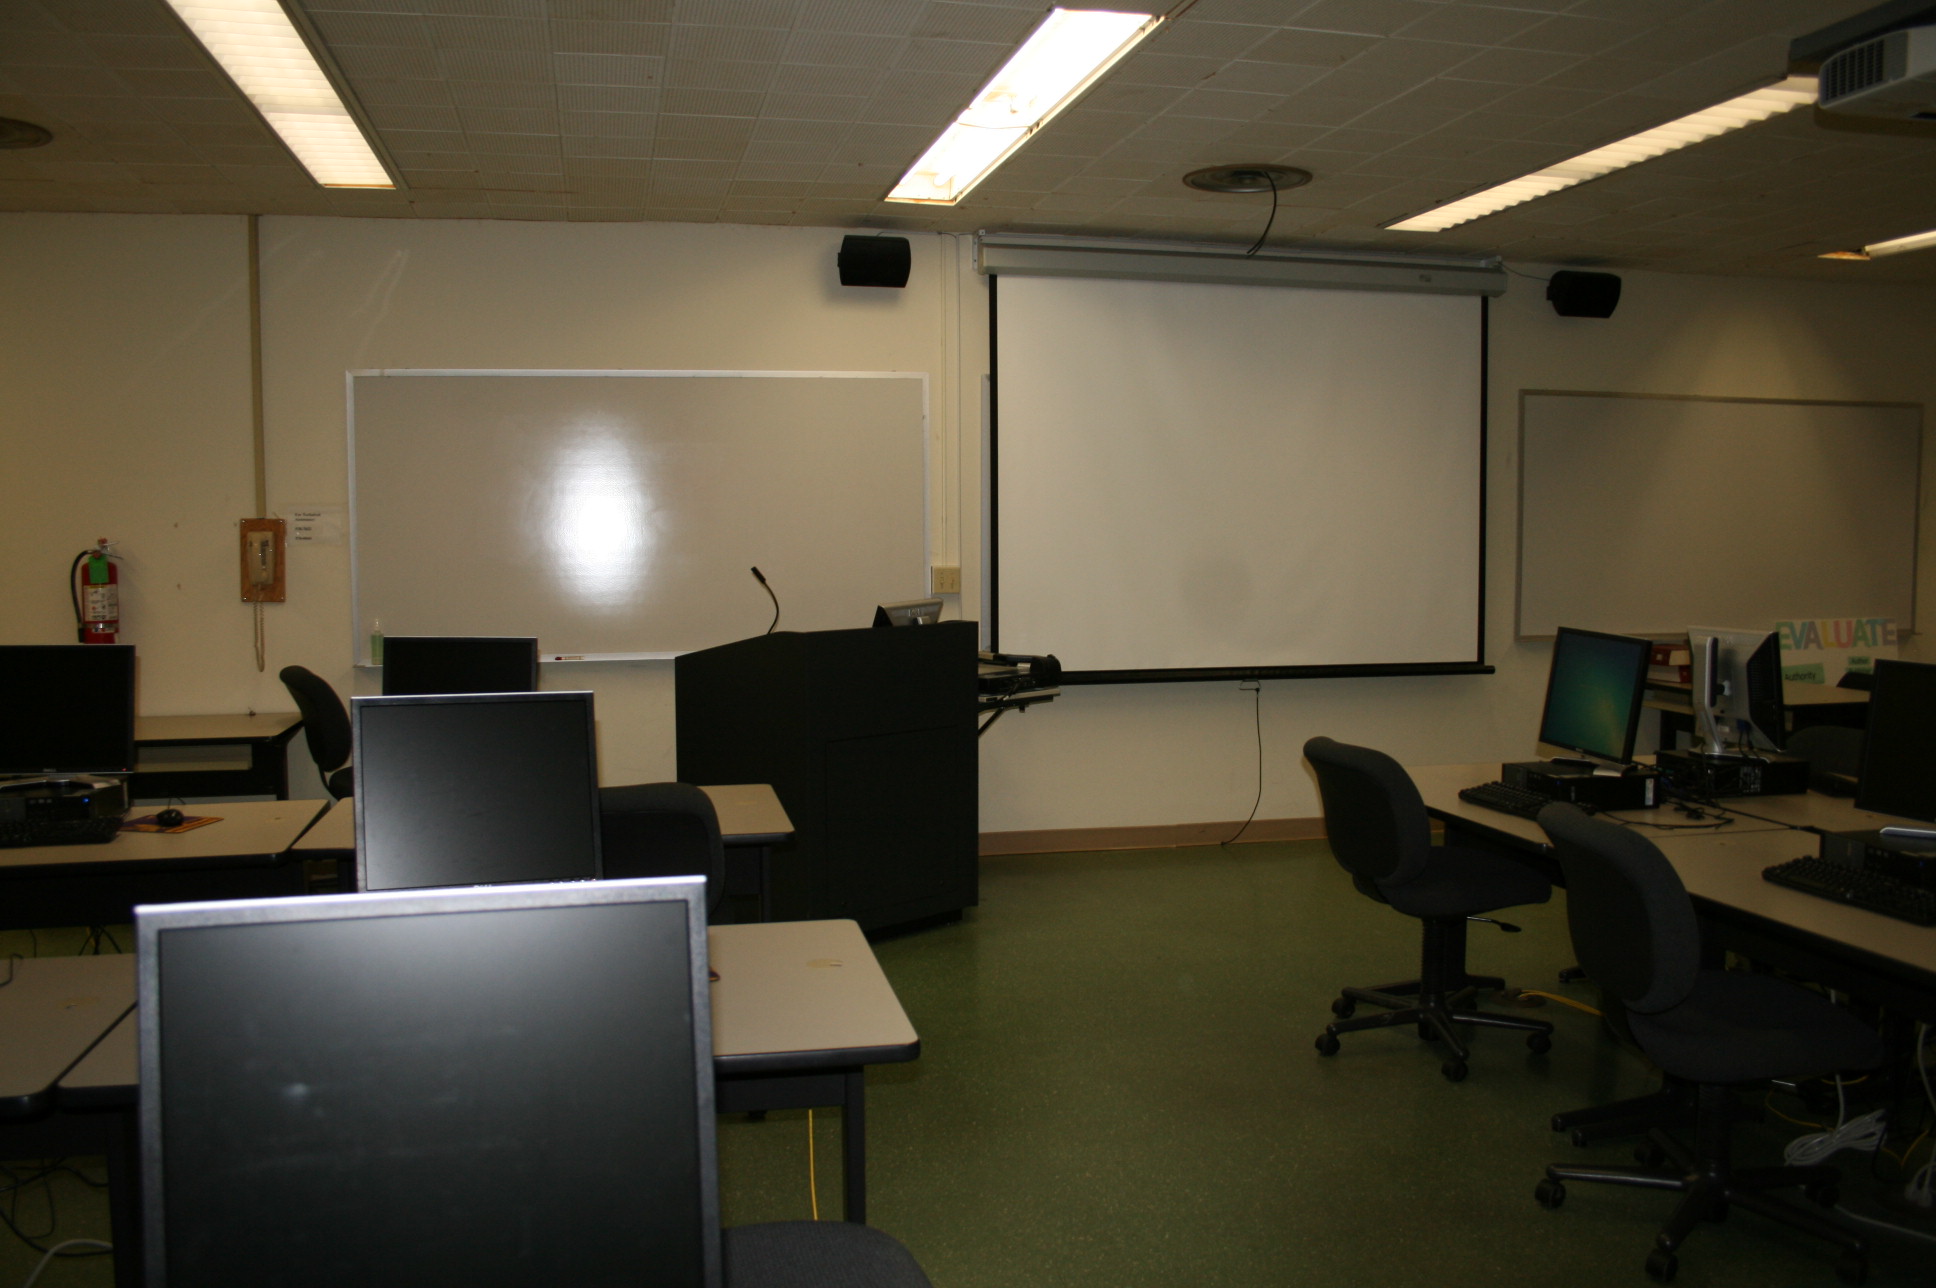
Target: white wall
point(1130, 755)
point(125, 411)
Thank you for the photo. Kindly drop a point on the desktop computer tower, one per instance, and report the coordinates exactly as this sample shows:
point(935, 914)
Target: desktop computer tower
point(51, 800)
point(1633, 790)
point(1707, 777)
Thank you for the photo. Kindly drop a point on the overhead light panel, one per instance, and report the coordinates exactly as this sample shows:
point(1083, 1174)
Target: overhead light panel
point(1897, 245)
point(268, 60)
point(1069, 52)
point(1696, 127)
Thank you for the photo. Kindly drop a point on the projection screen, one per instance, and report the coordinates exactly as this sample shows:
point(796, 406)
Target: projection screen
point(1201, 481)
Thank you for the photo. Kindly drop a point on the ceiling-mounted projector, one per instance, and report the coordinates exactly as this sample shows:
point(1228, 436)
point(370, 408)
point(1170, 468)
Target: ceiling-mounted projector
point(1892, 76)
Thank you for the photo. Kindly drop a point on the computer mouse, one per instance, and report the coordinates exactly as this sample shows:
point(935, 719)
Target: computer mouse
point(170, 817)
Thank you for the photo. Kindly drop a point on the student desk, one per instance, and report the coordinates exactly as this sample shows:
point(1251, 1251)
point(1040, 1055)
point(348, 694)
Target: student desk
point(1878, 957)
point(800, 1009)
point(751, 821)
point(53, 1018)
point(264, 737)
point(245, 855)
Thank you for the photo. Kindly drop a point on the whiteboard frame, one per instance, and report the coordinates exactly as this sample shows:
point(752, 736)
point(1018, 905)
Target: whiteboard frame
point(359, 637)
point(1519, 516)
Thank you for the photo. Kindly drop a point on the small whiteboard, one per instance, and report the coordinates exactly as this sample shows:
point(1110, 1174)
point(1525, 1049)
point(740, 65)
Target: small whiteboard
point(616, 514)
point(1642, 514)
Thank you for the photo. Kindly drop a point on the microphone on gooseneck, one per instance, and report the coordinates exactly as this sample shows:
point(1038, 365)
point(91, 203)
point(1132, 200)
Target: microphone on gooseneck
point(760, 577)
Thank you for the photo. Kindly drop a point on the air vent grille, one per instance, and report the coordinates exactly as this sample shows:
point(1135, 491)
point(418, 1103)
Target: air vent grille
point(1864, 66)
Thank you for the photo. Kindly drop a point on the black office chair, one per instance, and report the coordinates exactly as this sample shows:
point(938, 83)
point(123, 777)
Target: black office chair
point(326, 727)
point(1634, 930)
point(662, 830)
point(1379, 833)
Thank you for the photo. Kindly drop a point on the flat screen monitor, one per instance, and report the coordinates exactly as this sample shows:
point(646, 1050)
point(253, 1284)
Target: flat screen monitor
point(498, 1087)
point(472, 789)
point(1736, 691)
point(66, 709)
point(418, 664)
point(912, 612)
point(1899, 756)
point(1593, 693)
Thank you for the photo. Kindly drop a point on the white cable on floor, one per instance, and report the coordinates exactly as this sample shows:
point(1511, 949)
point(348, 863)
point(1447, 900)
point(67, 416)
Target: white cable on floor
point(1869, 1220)
point(1921, 1189)
point(1864, 1133)
point(55, 1251)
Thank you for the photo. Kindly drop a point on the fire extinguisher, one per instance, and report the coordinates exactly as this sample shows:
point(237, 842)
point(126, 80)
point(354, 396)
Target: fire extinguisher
point(94, 582)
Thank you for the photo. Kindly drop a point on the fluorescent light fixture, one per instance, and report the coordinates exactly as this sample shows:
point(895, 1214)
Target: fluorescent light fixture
point(1897, 245)
point(266, 57)
point(1698, 127)
point(1068, 53)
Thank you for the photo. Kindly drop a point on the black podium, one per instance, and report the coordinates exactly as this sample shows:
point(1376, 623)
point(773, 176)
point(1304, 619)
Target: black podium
point(868, 737)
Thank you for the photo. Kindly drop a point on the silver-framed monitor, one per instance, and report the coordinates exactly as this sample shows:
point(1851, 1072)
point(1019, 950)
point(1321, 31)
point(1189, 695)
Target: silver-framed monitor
point(1736, 690)
point(487, 1087)
point(422, 664)
point(475, 789)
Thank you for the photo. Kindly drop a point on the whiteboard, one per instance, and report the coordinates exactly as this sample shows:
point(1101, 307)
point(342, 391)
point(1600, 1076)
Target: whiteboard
point(615, 514)
point(1195, 480)
point(1641, 514)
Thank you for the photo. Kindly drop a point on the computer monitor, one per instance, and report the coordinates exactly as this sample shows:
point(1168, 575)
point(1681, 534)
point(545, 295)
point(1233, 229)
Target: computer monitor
point(418, 664)
point(494, 1087)
point(912, 612)
point(471, 789)
point(1899, 756)
point(1736, 692)
point(66, 709)
point(1593, 693)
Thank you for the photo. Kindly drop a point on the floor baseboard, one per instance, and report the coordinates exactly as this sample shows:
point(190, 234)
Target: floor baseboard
point(1166, 836)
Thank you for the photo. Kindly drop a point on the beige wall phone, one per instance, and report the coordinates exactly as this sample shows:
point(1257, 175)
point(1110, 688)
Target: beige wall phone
point(262, 566)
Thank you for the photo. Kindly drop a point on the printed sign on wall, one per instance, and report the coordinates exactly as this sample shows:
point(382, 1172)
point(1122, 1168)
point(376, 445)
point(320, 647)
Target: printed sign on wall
point(1823, 650)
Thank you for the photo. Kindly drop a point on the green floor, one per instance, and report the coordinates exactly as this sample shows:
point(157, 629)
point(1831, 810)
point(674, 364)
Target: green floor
point(1117, 1088)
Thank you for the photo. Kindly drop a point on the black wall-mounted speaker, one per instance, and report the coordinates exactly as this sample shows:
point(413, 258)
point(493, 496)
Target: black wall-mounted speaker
point(874, 261)
point(1583, 295)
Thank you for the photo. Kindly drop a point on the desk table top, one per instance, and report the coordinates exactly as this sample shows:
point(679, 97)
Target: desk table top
point(248, 831)
point(749, 814)
point(1440, 786)
point(792, 996)
point(157, 731)
point(53, 1012)
point(1727, 870)
point(800, 994)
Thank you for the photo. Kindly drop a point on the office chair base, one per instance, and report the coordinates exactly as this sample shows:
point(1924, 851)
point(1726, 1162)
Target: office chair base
point(1709, 1186)
point(1433, 1014)
point(1671, 1106)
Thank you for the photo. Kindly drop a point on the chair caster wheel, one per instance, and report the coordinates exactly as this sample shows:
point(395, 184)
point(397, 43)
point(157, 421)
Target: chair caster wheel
point(1826, 1194)
point(1649, 1155)
point(1549, 1193)
point(1853, 1268)
point(1327, 1044)
point(1661, 1266)
point(1343, 1008)
point(1454, 1070)
point(1538, 1043)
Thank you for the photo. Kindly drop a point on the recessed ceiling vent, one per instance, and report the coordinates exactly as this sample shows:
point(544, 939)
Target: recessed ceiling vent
point(1891, 76)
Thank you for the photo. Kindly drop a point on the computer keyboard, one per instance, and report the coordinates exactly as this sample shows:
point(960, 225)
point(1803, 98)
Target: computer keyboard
point(1858, 887)
point(16, 833)
point(1507, 800)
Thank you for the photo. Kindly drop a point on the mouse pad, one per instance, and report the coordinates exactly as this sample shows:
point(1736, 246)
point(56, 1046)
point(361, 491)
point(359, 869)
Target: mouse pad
point(147, 823)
